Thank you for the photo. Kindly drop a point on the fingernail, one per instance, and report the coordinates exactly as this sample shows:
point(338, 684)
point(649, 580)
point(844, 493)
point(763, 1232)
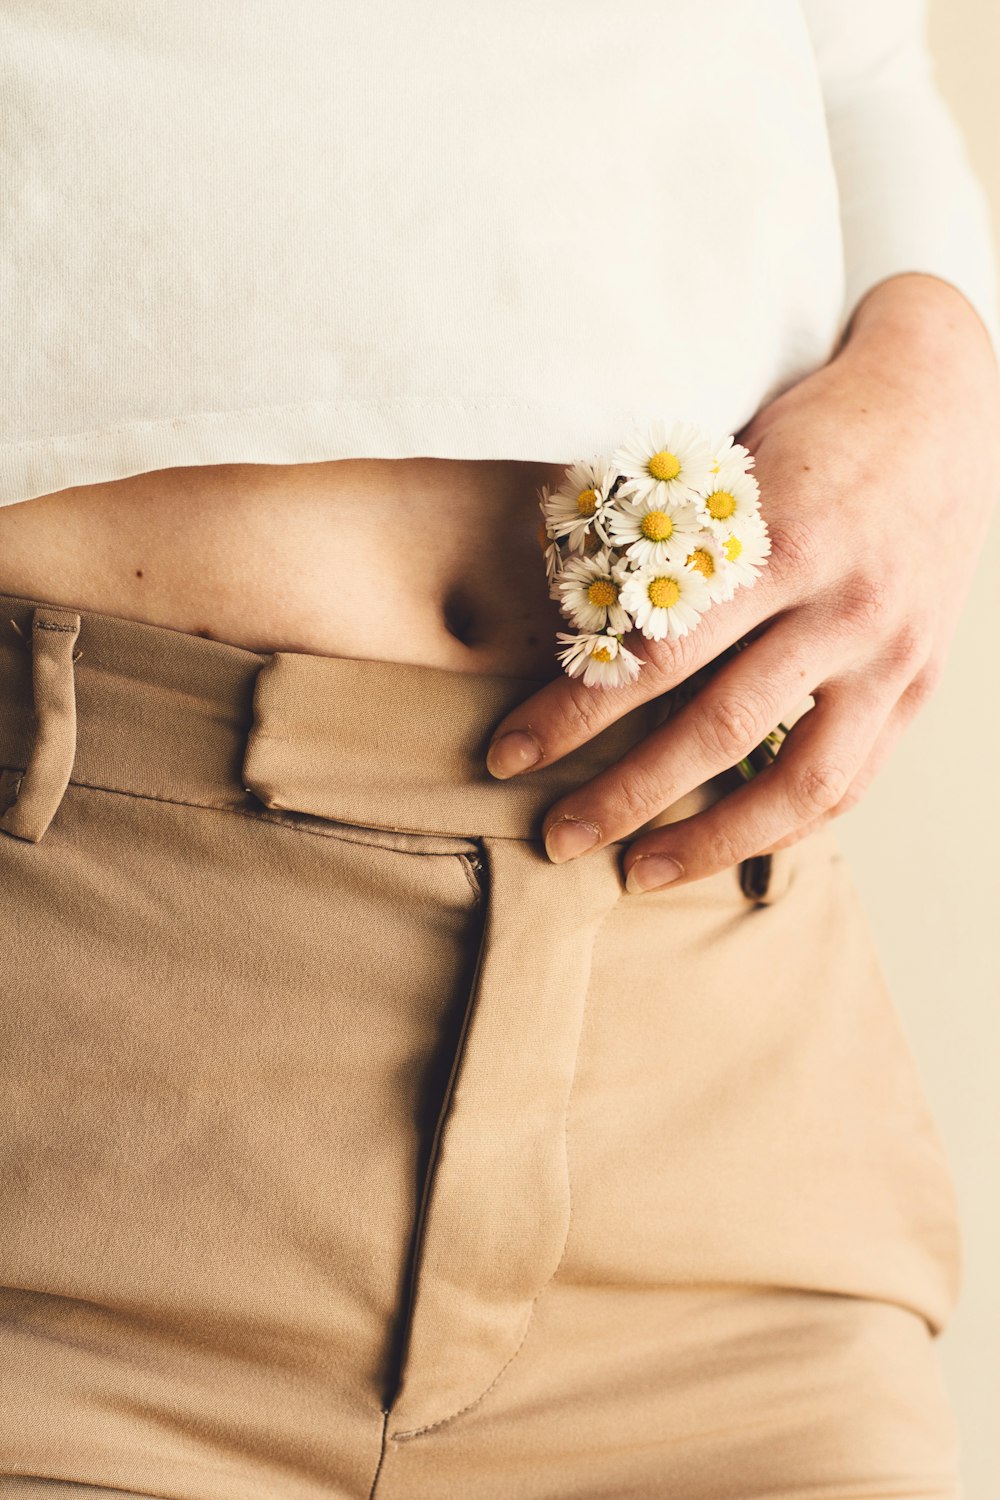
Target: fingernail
point(512, 752)
point(568, 838)
point(650, 871)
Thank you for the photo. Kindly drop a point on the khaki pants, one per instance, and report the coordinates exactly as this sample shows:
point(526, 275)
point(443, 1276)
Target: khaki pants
point(349, 1148)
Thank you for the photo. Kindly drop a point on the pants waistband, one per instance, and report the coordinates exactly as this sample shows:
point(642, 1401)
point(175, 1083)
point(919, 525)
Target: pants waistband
point(126, 706)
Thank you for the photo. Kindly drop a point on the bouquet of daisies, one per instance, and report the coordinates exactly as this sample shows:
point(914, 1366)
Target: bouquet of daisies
point(648, 539)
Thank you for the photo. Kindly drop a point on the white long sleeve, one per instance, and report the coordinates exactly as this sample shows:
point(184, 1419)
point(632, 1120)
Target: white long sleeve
point(910, 200)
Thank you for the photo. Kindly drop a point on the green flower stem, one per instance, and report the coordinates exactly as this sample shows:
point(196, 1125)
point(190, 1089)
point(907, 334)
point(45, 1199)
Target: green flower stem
point(765, 752)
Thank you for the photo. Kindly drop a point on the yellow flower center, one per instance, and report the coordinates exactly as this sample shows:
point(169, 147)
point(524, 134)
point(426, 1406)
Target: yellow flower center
point(664, 465)
point(733, 548)
point(702, 561)
point(663, 593)
point(586, 502)
point(721, 505)
point(602, 592)
point(657, 526)
point(601, 654)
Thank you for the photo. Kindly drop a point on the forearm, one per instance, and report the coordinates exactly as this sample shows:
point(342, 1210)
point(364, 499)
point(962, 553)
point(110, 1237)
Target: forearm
point(931, 316)
point(910, 200)
point(921, 338)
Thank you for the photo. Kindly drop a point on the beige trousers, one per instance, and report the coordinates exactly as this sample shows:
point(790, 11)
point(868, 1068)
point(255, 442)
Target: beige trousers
point(351, 1149)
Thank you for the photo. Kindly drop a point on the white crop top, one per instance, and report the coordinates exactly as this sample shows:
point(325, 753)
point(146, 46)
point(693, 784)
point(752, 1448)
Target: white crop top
point(293, 230)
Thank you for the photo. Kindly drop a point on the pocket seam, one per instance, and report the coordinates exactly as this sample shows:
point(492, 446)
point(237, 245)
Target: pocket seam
point(393, 840)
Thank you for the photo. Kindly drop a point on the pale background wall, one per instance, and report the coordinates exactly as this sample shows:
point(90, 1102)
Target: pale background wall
point(925, 848)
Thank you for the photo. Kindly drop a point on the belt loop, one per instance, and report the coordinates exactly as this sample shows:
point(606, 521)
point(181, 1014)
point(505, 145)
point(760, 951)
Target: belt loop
point(46, 776)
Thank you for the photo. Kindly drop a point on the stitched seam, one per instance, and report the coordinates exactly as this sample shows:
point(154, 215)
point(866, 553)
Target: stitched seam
point(432, 1426)
point(381, 1455)
point(68, 629)
point(77, 1483)
point(413, 1432)
point(264, 817)
point(255, 817)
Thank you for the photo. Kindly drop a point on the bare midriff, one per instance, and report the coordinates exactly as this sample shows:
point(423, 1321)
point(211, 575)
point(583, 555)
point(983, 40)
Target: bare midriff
point(424, 560)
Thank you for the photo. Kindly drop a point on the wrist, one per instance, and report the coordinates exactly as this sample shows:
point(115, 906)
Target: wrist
point(921, 337)
point(925, 316)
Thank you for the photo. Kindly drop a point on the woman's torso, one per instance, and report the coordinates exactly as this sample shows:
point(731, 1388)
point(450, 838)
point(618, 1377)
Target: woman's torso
point(303, 309)
point(418, 560)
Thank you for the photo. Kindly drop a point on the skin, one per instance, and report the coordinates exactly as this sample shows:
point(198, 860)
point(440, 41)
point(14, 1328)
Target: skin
point(431, 561)
point(878, 477)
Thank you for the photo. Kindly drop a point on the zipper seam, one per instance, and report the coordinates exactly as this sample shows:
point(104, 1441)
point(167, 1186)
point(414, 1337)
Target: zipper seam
point(394, 1385)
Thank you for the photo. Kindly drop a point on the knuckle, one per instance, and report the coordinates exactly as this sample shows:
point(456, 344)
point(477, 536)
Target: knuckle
point(819, 787)
point(668, 660)
point(732, 724)
point(722, 849)
point(795, 552)
point(908, 648)
point(588, 710)
point(866, 601)
point(639, 795)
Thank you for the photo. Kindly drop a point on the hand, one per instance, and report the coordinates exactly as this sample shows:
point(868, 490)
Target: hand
point(878, 475)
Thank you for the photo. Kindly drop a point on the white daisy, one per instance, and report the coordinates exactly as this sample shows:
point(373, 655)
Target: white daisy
point(652, 531)
point(549, 549)
point(747, 550)
point(729, 455)
point(667, 600)
point(602, 659)
point(671, 463)
point(578, 508)
point(553, 559)
point(591, 546)
point(728, 502)
point(589, 588)
point(562, 557)
point(708, 557)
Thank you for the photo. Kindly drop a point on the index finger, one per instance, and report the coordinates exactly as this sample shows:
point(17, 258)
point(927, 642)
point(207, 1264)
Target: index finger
point(565, 713)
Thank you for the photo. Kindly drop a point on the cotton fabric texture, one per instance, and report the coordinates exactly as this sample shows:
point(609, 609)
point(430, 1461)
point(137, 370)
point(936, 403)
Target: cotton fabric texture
point(351, 1149)
point(296, 231)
